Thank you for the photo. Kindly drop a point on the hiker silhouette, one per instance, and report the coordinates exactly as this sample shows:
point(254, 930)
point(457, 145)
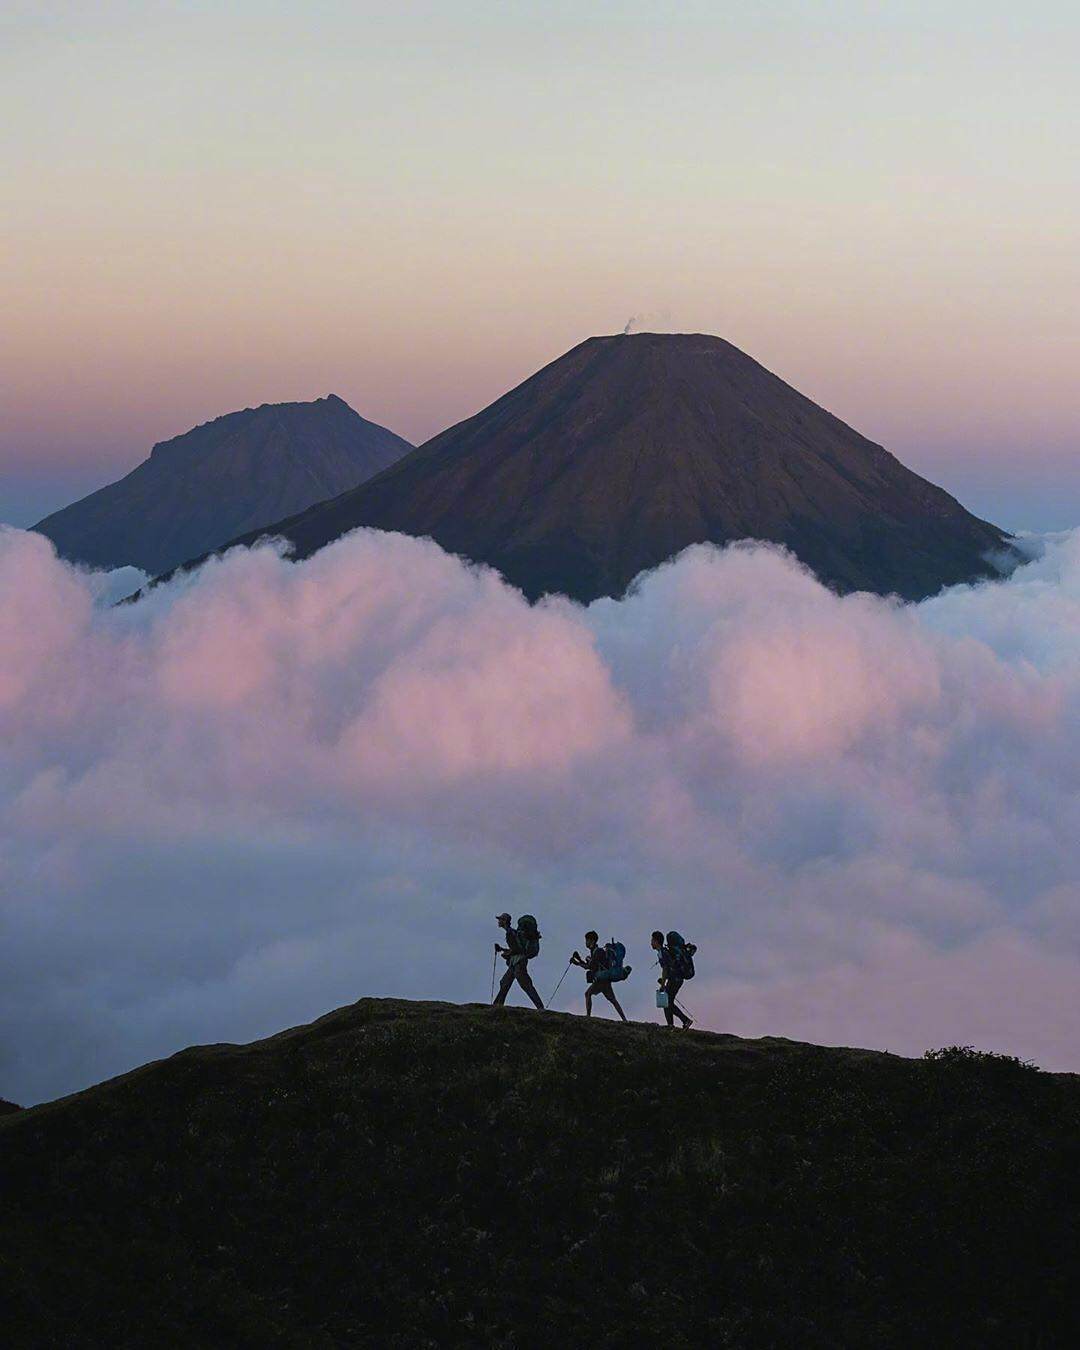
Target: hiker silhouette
point(676, 966)
point(522, 943)
point(602, 967)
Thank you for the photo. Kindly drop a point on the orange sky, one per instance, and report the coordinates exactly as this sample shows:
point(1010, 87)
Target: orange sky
point(415, 206)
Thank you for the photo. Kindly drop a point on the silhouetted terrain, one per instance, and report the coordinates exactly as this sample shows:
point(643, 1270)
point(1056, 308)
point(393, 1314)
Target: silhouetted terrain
point(237, 473)
point(409, 1174)
point(628, 449)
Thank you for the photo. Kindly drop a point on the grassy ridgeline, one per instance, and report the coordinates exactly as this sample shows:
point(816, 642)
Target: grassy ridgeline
point(421, 1174)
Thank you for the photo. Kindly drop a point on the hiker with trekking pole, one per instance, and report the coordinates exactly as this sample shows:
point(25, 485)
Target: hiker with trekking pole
point(603, 967)
point(522, 944)
point(676, 958)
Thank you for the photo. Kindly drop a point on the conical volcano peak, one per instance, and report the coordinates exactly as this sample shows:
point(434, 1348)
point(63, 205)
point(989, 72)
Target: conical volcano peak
point(633, 446)
point(686, 341)
point(674, 346)
point(686, 393)
point(704, 360)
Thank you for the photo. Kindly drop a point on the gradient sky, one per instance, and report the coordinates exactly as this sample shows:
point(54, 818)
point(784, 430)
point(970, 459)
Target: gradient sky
point(208, 206)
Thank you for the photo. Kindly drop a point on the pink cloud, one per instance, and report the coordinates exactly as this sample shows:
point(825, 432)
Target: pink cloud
point(267, 788)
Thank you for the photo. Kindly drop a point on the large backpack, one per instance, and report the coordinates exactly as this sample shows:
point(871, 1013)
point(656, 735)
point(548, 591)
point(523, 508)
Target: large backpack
point(616, 955)
point(682, 956)
point(528, 936)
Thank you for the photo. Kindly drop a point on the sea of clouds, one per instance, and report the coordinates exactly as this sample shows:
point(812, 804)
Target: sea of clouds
point(268, 789)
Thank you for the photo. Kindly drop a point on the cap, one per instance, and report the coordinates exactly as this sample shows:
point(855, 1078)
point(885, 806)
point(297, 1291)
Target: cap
point(501, 916)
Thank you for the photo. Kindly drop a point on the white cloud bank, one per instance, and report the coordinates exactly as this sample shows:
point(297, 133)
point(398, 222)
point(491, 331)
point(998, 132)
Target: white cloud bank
point(270, 788)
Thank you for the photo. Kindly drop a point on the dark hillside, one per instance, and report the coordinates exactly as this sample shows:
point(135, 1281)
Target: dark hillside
point(402, 1174)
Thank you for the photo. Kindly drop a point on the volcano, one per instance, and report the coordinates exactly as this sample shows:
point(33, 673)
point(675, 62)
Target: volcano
point(237, 473)
point(626, 450)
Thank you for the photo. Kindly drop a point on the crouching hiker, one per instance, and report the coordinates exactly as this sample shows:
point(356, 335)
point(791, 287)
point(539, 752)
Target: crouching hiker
point(602, 967)
point(522, 943)
point(676, 966)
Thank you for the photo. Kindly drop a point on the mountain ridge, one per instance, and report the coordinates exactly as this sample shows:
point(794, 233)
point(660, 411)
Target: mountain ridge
point(161, 448)
point(195, 491)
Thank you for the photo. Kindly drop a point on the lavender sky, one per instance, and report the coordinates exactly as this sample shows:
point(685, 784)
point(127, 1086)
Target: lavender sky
point(208, 206)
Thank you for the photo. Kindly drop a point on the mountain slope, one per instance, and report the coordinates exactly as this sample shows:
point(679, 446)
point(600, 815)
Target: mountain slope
point(627, 449)
point(237, 473)
point(400, 1174)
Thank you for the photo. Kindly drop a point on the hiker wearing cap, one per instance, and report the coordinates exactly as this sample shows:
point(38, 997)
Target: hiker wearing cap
point(522, 943)
point(676, 966)
point(601, 967)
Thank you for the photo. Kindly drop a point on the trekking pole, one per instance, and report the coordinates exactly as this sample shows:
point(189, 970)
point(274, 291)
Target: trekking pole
point(494, 963)
point(561, 978)
point(686, 1010)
